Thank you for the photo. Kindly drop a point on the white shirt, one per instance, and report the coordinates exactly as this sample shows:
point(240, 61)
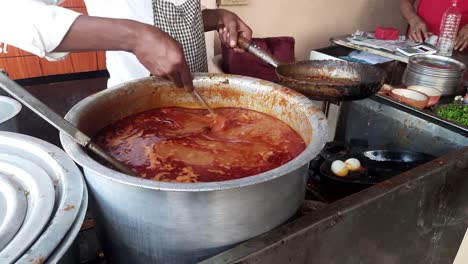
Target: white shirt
point(38, 26)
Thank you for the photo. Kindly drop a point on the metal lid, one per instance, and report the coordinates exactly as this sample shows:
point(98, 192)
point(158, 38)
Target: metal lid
point(8, 108)
point(38, 198)
point(42, 199)
point(13, 205)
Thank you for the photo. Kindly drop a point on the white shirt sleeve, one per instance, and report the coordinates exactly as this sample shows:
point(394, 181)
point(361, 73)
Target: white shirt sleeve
point(36, 26)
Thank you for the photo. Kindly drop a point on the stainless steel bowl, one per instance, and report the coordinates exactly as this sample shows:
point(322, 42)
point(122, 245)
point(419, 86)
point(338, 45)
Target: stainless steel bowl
point(442, 73)
point(143, 221)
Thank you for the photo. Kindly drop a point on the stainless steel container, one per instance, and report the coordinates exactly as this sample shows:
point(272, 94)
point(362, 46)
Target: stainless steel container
point(43, 200)
point(9, 108)
point(442, 73)
point(143, 221)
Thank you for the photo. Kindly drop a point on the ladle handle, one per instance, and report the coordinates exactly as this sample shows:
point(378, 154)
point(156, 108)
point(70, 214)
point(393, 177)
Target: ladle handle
point(57, 121)
point(255, 50)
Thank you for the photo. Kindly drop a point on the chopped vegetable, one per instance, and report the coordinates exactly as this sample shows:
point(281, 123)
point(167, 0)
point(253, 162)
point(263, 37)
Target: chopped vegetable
point(457, 113)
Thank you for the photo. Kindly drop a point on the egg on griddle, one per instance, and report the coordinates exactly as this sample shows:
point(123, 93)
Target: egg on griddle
point(339, 168)
point(353, 164)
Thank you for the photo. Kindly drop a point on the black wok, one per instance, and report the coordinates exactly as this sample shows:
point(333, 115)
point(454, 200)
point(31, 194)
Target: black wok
point(324, 80)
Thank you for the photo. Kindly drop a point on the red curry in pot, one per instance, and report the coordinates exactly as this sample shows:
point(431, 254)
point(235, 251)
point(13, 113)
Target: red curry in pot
point(178, 145)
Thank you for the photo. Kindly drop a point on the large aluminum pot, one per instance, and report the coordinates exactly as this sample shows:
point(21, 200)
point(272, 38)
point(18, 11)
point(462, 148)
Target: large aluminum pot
point(143, 221)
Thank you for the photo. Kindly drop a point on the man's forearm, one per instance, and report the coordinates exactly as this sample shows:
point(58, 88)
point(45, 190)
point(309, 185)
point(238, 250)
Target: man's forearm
point(210, 19)
point(96, 33)
point(407, 9)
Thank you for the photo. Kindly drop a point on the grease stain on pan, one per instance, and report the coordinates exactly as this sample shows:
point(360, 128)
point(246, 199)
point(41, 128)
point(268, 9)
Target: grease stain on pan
point(38, 260)
point(69, 208)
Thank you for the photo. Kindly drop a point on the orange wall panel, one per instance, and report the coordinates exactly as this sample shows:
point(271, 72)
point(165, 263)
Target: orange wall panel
point(79, 10)
point(84, 61)
point(75, 62)
point(12, 51)
point(73, 3)
point(22, 67)
point(101, 60)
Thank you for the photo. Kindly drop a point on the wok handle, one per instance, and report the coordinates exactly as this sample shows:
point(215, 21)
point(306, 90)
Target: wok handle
point(255, 50)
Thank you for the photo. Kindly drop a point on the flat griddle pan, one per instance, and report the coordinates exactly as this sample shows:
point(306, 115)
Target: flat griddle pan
point(324, 80)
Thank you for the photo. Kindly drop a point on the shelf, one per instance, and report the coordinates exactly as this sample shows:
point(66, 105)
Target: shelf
point(424, 114)
point(343, 41)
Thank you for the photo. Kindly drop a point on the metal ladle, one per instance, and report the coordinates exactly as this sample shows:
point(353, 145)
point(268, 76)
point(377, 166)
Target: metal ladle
point(58, 122)
point(203, 102)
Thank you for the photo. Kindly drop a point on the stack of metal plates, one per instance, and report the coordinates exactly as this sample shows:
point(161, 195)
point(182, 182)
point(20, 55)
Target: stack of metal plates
point(43, 200)
point(442, 73)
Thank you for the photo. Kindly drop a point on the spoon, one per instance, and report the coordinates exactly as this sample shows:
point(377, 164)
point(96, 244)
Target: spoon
point(203, 102)
point(219, 121)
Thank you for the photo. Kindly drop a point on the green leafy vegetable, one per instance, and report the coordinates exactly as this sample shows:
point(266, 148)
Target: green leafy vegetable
point(457, 113)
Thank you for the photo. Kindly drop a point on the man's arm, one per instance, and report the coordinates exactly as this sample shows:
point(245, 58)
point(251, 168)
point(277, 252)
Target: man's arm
point(407, 9)
point(86, 34)
point(45, 29)
point(156, 50)
point(418, 28)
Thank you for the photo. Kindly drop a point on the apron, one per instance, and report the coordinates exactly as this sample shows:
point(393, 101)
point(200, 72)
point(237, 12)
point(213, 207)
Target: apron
point(185, 24)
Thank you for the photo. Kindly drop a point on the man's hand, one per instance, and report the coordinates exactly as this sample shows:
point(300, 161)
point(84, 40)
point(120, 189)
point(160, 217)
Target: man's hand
point(228, 25)
point(418, 29)
point(461, 42)
point(162, 55)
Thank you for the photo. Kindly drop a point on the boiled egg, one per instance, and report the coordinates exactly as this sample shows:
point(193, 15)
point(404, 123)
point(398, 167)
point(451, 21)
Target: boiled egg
point(339, 168)
point(353, 164)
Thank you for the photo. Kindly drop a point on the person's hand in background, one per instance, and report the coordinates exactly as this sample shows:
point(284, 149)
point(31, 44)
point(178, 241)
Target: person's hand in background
point(461, 42)
point(228, 25)
point(418, 29)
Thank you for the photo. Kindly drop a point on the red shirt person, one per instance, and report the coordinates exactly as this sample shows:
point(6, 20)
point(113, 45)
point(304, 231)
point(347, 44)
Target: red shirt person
point(425, 20)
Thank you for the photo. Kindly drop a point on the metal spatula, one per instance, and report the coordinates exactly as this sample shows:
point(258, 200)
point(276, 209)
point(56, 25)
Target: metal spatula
point(58, 122)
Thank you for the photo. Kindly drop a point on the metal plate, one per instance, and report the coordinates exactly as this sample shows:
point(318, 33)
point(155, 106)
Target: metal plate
point(69, 194)
point(71, 235)
point(40, 194)
point(13, 206)
point(437, 63)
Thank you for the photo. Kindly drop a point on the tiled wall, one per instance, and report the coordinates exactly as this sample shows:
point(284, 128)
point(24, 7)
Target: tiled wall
point(20, 64)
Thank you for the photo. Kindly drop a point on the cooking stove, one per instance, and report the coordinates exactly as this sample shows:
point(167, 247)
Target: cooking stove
point(375, 124)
